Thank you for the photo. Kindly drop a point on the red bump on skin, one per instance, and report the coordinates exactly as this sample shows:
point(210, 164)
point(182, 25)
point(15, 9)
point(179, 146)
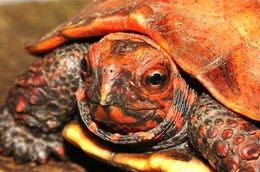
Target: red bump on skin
point(212, 132)
point(221, 147)
point(239, 139)
point(231, 123)
point(21, 104)
point(249, 129)
point(219, 122)
point(227, 133)
point(249, 151)
point(232, 163)
point(33, 99)
point(80, 94)
point(38, 80)
point(202, 130)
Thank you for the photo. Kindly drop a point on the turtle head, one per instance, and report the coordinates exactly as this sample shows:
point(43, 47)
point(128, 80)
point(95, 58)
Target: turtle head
point(129, 85)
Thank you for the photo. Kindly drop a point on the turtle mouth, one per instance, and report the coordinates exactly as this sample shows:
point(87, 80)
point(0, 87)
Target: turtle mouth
point(124, 120)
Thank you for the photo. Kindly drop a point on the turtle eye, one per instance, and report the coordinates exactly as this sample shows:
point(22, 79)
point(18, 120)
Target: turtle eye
point(156, 79)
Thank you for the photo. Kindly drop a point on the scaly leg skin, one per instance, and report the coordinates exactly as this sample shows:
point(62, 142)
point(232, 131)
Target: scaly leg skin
point(39, 105)
point(229, 142)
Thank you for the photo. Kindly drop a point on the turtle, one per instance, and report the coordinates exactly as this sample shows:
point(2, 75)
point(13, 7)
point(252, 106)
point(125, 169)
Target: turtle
point(157, 84)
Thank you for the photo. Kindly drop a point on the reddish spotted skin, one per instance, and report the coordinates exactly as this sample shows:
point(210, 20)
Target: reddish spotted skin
point(229, 142)
point(39, 105)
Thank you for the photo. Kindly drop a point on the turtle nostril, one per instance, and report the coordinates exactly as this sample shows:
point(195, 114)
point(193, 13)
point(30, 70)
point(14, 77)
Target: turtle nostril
point(109, 70)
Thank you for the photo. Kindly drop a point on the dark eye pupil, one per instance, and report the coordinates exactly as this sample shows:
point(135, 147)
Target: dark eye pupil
point(83, 64)
point(156, 79)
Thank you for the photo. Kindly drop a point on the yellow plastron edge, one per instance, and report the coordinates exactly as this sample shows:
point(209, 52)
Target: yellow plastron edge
point(132, 161)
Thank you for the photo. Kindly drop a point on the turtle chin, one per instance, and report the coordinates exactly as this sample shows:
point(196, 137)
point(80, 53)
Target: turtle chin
point(123, 120)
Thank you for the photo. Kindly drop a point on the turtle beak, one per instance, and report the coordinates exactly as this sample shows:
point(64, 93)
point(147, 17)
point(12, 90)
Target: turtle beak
point(109, 75)
point(106, 88)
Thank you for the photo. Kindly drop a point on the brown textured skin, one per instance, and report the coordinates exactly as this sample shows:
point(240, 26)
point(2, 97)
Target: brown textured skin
point(229, 142)
point(40, 103)
point(215, 41)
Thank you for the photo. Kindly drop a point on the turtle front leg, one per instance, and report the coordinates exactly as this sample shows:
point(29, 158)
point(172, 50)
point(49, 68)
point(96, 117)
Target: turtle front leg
point(39, 105)
point(229, 142)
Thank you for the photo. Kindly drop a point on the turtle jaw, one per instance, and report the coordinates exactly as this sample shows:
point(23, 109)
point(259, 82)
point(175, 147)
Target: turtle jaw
point(124, 121)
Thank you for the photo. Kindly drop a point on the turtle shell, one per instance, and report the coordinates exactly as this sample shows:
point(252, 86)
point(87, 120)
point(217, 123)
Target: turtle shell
point(217, 42)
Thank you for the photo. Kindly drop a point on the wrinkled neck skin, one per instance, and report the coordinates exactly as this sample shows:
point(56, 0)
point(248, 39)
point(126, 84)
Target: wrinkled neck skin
point(131, 93)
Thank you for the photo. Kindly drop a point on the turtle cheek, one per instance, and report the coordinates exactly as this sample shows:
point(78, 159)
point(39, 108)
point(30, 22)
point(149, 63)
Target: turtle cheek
point(119, 104)
point(111, 115)
point(93, 91)
point(124, 121)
